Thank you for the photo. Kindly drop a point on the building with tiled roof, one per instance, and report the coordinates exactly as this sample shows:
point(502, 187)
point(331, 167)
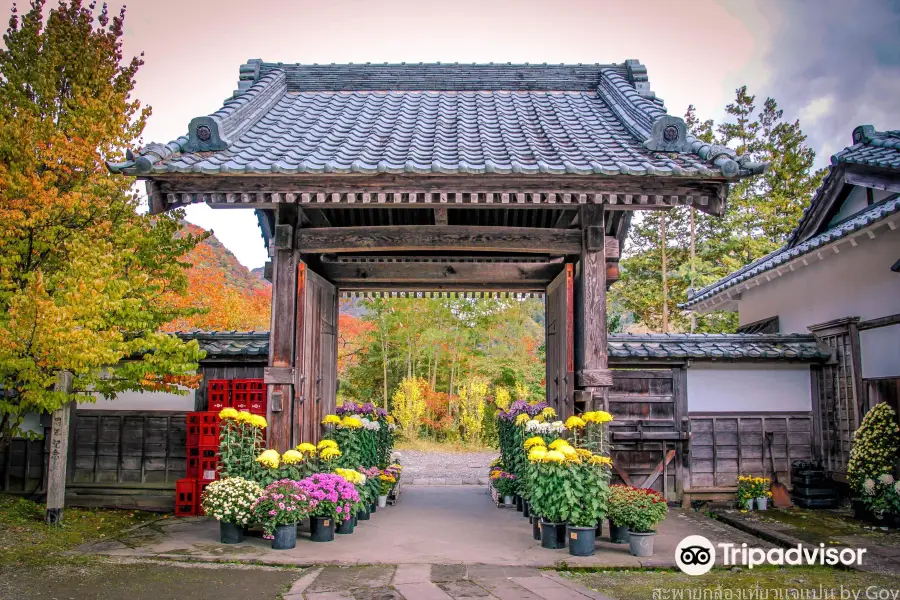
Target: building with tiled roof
point(837, 276)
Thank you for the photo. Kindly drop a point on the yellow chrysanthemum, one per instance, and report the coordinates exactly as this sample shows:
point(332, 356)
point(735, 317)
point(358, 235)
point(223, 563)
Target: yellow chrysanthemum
point(331, 420)
point(548, 413)
point(575, 423)
point(329, 453)
point(243, 417)
point(521, 419)
point(351, 423)
point(584, 452)
point(258, 421)
point(534, 441)
point(354, 477)
point(537, 453)
point(291, 457)
point(306, 448)
point(327, 444)
point(539, 418)
point(228, 413)
point(558, 443)
point(600, 460)
point(390, 419)
point(569, 451)
point(554, 456)
point(269, 458)
point(597, 416)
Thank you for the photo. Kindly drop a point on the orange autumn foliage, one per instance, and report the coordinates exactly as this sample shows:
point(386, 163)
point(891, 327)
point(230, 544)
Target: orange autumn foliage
point(224, 294)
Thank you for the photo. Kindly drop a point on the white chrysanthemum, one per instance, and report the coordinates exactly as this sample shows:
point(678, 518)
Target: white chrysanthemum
point(869, 485)
point(897, 486)
point(886, 479)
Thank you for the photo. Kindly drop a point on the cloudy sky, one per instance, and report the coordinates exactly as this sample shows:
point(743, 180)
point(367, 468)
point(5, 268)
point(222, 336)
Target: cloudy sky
point(833, 64)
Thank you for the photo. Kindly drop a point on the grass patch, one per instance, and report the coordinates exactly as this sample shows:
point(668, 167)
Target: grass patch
point(626, 584)
point(26, 540)
point(424, 445)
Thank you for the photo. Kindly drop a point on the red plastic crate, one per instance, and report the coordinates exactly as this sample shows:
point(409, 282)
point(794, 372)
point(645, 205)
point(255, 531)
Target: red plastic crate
point(192, 436)
point(186, 498)
point(257, 397)
point(203, 462)
point(201, 485)
point(209, 435)
point(192, 467)
point(218, 394)
point(240, 394)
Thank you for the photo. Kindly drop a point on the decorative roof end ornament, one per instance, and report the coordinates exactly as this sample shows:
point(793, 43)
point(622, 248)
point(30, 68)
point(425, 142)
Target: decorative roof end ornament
point(669, 135)
point(863, 134)
point(204, 136)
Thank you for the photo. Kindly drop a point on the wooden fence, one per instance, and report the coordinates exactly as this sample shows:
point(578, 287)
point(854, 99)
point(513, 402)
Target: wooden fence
point(725, 445)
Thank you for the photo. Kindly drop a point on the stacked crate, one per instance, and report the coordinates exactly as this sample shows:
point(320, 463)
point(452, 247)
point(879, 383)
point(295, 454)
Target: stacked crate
point(812, 486)
point(202, 441)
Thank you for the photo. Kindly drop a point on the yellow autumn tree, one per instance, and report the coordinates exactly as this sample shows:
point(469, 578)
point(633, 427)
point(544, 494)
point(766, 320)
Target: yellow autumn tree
point(83, 274)
point(472, 396)
point(409, 405)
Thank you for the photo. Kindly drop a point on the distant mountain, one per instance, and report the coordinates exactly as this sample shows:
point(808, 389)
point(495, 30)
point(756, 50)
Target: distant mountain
point(231, 296)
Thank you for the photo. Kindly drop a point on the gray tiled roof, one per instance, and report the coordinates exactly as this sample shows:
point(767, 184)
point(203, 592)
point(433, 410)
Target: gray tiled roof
point(440, 118)
point(230, 344)
point(716, 347)
point(860, 220)
point(621, 347)
point(871, 148)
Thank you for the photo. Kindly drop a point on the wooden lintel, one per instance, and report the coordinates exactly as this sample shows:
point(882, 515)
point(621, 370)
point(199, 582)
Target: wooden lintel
point(557, 242)
point(534, 275)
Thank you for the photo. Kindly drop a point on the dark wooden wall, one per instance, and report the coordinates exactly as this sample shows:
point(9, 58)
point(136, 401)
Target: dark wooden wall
point(725, 445)
point(23, 466)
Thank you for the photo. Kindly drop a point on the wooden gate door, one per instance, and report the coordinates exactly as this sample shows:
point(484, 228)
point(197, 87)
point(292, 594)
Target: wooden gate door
point(316, 360)
point(560, 343)
point(648, 434)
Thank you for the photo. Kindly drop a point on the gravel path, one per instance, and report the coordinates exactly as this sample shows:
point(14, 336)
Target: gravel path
point(445, 468)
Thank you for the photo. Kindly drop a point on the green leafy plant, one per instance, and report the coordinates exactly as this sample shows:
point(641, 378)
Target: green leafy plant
point(503, 482)
point(240, 440)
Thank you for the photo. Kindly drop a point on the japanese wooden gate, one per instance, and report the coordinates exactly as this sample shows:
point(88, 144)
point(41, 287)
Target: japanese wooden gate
point(449, 178)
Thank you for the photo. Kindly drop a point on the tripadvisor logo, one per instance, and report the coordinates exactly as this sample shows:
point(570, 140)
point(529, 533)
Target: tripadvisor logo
point(696, 555)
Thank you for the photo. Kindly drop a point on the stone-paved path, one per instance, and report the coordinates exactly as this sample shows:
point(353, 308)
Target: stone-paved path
point(446, 468)
point(436, 582)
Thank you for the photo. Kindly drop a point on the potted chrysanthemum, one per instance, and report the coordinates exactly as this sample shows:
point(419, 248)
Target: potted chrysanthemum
point(549, 492)
point(335, 498)
point(231, 501)
point(358, 481)
point(619, 497)
point(643, 511)
point(280, 507)
point(588, 477)
point(368, 492)
point(387, 481)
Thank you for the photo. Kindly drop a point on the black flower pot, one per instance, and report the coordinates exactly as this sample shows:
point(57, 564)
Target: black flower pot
point(618, 534)
point(346, 527)
point(581, 540)
point(536, 527)
point(526, 509)
point(373, 508)
point(363, 514)
point(599, 531)
point(553, 535)
point(520, 506)
point(231, 533)
point(285, 537)
point(321, 529)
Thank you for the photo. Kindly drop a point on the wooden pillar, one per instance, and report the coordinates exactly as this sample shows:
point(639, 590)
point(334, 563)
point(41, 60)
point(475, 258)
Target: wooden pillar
point(279, 376)
point(59, 453)
point(593, 374)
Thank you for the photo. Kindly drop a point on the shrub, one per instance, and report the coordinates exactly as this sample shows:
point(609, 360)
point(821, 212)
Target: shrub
point(874, 450)
point(409, 405)
point(639, 509)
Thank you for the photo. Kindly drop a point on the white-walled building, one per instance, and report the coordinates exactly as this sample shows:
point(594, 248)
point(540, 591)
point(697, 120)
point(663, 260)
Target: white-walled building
point(837, 277)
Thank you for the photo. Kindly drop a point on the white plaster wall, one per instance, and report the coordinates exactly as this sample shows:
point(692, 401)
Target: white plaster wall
point(856, 201)
point(741, 387)
point(144, 401)
point(857, 282)
point(880, 351)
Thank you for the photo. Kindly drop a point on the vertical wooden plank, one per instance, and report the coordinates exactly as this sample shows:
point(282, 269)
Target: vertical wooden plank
point(144, 449)
point(59, 452)
point(168, 446)
point(817, 404)
point(97, 449)
point(121, 445)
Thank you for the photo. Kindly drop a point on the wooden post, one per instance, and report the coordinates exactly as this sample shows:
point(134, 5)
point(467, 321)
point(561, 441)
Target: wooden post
point(593, 374)
point(279, 376)
point(59, 452)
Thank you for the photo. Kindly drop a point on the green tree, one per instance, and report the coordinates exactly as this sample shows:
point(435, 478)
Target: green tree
point(83, 276)
point(761, 213)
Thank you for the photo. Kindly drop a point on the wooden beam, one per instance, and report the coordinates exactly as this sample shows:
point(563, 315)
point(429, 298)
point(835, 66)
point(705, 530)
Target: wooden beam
point(314, 218)
point(59, 452)
point(400, 238)
point(880, 322)
point(534, 275)
point(440, 213)
point(593, 373)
